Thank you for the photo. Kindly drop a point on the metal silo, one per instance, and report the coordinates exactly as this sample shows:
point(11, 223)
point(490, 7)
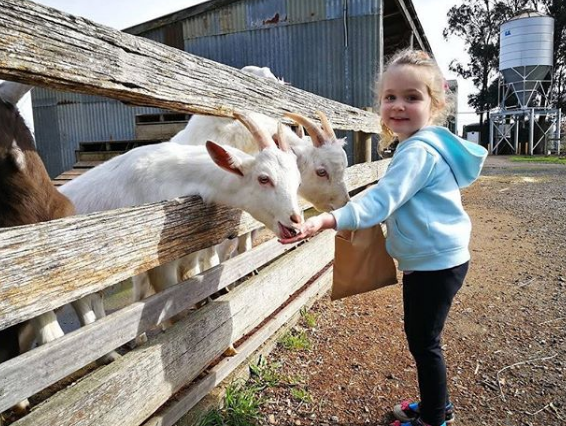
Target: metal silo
point(526, 57)
point(526, 122)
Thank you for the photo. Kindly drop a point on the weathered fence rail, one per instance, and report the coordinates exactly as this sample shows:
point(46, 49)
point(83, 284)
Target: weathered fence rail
point(107, 62)
point(48, 265)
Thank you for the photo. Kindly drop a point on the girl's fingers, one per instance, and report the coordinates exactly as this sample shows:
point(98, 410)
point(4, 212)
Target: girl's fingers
point(310, 227)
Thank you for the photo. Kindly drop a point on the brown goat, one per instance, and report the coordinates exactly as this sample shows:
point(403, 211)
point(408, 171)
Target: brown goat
point(27, 196)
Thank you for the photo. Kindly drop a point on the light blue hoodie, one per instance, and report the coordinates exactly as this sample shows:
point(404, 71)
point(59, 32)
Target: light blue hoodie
point(419, 200)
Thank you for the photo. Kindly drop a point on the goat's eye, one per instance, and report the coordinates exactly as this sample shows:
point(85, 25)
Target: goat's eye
point(321, 173)
point(264, 180)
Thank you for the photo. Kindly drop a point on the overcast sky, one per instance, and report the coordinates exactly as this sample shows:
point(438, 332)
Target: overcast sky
point(122, 14)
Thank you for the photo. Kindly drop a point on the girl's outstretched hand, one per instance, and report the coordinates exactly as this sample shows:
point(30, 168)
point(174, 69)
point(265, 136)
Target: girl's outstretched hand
point(311, 227)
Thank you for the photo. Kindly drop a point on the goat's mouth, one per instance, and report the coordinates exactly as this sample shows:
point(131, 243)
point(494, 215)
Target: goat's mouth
point(286, 231)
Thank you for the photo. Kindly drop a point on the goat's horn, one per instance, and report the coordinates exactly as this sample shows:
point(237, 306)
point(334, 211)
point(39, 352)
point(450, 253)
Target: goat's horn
point(283, 145)
point(259, 134)
point(312, 129)
point(300, 131)
point(326, 127)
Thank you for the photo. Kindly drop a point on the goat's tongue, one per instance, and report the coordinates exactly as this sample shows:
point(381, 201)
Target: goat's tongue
point(286, 232)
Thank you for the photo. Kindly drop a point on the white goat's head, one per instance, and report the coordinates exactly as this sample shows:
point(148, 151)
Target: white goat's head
point(322, 164)
point(271, 178)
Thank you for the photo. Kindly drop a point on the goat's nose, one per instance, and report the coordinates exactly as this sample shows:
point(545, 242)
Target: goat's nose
point(296, 218)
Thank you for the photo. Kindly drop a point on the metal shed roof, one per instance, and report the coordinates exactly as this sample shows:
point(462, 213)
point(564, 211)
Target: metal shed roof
point(399, 17)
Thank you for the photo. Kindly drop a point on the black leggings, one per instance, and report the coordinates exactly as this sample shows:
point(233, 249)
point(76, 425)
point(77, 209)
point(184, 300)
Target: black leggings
point(427, 297)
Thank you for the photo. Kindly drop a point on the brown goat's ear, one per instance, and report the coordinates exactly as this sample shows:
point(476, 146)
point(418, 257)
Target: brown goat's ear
point(223, 158)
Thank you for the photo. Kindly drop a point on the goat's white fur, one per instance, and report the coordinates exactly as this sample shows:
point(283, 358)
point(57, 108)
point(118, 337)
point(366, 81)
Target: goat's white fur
point(326, 192)
point(169, 170)
point(165, 171)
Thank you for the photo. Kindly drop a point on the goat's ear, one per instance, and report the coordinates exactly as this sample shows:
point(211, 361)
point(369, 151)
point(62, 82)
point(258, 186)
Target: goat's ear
point(224, 159)
point(275, 138)
point(12, 92)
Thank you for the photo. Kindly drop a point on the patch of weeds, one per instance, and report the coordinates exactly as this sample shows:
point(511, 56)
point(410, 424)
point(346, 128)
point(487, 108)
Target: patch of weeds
point(241, 407)
point(265, 375)
point(301, 395)
point(293, 380)
point(212, 417)
point(308, 318)
point(295, 340)
point(538, 159)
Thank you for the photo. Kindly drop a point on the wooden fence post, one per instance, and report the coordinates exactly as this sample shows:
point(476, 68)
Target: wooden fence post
point(362, 145)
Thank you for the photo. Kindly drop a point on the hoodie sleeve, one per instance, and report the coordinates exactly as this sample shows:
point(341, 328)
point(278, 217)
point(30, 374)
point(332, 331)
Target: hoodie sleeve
point(408, 172)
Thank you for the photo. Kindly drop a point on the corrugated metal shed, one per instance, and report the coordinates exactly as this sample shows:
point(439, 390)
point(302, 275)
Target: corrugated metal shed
point(333, 48)
point(63, 119)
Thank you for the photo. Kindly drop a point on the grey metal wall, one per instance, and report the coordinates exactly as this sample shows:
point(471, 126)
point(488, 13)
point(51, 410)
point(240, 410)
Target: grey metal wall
point(308, 43)
point(327, 47)
point(62, 120)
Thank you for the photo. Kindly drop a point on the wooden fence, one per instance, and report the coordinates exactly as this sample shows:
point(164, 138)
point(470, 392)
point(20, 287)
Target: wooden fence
point(48, 265)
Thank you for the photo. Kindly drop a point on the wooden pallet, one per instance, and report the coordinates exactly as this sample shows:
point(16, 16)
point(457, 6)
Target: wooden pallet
point(78, 169)
point(164, 125)
point(163, 117)
point(120, 145)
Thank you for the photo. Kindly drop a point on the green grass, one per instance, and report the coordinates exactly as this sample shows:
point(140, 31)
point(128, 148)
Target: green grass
point(296, 340)
point(241, 407)
point(301, 395)
point(265, 375)
point(538, 159)
point(242, 404)
point(309, 319)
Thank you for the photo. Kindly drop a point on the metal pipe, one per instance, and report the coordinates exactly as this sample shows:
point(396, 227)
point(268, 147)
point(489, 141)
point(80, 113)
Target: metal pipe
point(516, 136)
point(531, 131)
point(491, 135)
point(558, 130)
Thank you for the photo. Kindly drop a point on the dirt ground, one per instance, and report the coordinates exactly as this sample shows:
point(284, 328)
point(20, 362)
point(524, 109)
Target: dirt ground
point(505, 339)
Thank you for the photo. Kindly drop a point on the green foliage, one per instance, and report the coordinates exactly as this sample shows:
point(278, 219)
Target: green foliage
point(293, 380)
point(241, 407)
point(308, 318)
point(477, 23)
point(295, 340)
point(533, 159)
point(265, 375)
point(212, 417)
point(301, 395)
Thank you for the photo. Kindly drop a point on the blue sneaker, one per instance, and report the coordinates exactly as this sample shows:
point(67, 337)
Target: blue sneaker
point(415, 422)
point(408, 411)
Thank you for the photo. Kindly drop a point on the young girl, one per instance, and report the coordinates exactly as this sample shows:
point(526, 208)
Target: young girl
point(428, 230)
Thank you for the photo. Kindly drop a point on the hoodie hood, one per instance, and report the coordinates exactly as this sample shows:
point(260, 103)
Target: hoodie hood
point(464, 157)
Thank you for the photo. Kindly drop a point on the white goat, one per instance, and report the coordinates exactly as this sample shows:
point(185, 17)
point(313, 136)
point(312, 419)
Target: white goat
point(321, 160)
point(264, 184)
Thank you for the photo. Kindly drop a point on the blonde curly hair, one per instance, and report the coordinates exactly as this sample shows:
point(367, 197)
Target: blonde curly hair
point(442, 100)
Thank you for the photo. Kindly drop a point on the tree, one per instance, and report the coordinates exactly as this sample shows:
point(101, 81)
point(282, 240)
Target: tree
point(557, 9)
point(478, 23)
